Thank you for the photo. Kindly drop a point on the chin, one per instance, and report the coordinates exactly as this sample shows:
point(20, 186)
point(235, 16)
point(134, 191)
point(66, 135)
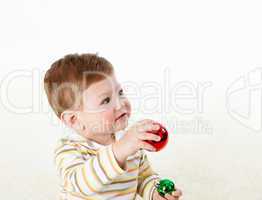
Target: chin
point(121, 126)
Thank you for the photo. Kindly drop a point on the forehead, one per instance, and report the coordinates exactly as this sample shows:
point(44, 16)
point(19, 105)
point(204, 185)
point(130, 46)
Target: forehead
point(106, 85)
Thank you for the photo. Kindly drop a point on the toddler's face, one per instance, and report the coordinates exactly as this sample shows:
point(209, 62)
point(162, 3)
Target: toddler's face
point(106, 110)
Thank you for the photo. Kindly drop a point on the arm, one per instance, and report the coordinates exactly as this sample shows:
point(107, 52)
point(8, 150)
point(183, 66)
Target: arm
point(86, 176)
point(146, 179)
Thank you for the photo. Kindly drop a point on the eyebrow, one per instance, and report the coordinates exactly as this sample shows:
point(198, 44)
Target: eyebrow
point(104, 93)
point(109, 92)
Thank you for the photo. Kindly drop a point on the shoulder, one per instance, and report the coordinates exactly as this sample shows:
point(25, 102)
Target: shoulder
point(67, 147)
point(64, 144)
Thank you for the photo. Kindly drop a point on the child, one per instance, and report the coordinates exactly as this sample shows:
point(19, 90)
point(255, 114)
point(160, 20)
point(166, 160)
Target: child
point(93, 163)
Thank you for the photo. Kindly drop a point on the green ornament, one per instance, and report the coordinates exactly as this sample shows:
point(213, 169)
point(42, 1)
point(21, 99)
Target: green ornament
point(165, 186)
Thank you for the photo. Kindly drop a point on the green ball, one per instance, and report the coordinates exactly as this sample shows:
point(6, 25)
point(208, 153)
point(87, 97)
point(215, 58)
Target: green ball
point(165, 186)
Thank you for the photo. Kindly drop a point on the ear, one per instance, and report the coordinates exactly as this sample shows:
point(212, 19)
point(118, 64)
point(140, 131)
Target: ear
point(71, 119)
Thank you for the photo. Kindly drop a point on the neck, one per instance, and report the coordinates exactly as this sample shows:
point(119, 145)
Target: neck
point(104, 139)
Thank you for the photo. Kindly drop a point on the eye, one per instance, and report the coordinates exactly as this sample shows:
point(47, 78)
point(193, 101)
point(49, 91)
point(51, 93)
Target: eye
point(105, 101)
point(121, 92)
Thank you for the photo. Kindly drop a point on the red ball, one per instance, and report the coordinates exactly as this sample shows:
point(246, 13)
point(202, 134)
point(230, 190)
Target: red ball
point(162, 132)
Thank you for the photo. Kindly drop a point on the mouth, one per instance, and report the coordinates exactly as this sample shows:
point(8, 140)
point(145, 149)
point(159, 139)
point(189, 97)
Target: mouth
point(119, 117)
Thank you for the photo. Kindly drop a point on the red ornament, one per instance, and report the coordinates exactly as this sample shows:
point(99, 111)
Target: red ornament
point(162, 132)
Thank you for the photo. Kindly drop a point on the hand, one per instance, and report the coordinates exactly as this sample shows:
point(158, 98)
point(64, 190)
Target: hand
point(174, 196)
point(133, 140)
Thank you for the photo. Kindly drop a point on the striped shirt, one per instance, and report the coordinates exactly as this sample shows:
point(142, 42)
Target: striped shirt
point(88, 170)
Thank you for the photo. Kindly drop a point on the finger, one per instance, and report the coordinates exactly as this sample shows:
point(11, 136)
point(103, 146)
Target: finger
point(151, 126)
point(147, 146)
point(139, 126)
point(145, 121)
point(159, 197)
point(149, 136)
point(170, 197)
point(177, 193)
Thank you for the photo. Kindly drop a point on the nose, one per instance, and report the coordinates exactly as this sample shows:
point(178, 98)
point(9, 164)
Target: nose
point(118, 104)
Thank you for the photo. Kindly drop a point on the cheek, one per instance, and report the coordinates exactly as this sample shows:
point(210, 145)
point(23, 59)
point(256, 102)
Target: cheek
point(99, 121)
point(107, 116)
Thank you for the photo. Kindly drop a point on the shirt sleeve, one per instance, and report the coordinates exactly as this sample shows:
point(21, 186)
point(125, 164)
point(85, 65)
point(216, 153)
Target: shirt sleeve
point(86, 176)
point(147, 178)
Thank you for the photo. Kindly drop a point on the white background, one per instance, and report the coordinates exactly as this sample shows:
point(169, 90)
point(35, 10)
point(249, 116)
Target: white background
point(198, 42)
